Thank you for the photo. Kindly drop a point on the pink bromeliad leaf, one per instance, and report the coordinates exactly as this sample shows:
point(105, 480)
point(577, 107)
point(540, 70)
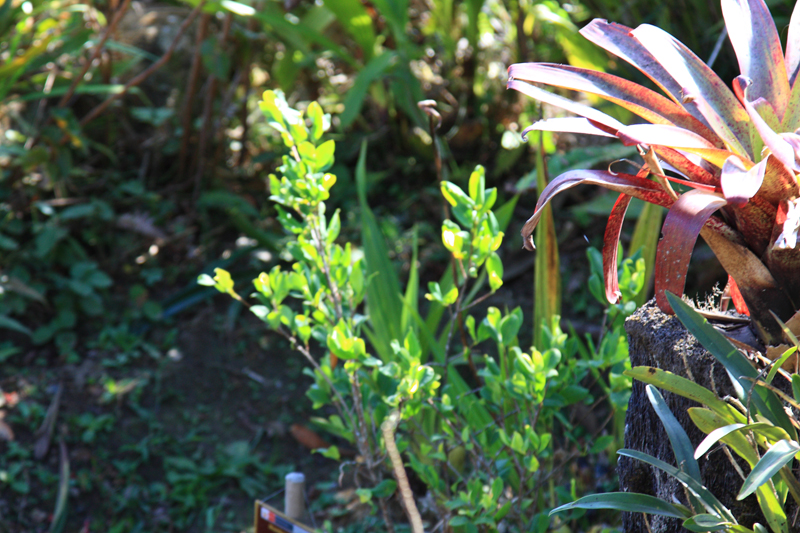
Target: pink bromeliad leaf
point(569, 125)
point(565, 103)
point(648, 104)
point(739, 183)
point(680, 231)
point(673, 137)
point(611, 247)
point(637, 187)
point(700, 85)
point(793, 47)
point(618, 39)
point(779, 147)
point(758, 48)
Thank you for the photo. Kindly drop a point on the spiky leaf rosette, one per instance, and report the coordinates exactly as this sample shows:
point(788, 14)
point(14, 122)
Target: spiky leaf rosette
point(737, 149)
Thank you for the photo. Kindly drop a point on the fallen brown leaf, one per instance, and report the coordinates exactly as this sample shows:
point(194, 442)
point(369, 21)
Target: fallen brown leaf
point(307, 437)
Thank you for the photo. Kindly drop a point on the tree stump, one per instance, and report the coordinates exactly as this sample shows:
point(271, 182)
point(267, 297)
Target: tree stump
point(661, 341)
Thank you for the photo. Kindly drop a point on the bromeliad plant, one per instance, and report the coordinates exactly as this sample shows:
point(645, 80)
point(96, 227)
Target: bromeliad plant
point(736, 154)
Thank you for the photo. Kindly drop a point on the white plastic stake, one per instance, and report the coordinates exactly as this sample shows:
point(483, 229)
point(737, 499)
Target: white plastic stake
point(295, 503)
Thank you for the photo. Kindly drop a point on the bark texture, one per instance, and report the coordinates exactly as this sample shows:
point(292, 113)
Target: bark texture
point(661, 341)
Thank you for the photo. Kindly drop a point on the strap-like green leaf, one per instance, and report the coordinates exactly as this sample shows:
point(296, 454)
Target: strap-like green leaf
point(708, 500)
point(776, 457)
point(627, 501)
point(681, 445)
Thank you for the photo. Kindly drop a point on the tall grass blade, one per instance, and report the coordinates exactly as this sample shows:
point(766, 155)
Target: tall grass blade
point(547, 275)
point(384, 301)
point(645, 238)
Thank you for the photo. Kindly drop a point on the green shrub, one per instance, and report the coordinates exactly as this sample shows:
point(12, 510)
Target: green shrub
point(477, 429)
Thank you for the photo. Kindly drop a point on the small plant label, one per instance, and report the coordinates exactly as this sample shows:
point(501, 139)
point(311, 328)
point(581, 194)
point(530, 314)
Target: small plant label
point(270, 520)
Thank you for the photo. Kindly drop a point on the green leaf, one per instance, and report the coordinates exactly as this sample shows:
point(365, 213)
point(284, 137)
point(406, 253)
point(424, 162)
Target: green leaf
point(779, 454)
point(686, 388)
point(383, 290)
point(681, 445)
point(354, 17)
point(737, 365)
point(630, 502)
point(547, 270)
point(385, 488)
point(494, 268)
point(373, 70)
point(9, 323)
point(477, 185)
point(331, 453)
point(706, 522)
point(708, 500)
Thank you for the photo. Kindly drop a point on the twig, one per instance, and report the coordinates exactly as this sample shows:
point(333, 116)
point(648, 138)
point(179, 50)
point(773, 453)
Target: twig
point(145, 74)
point(98, 48)
point(191, 88)
point(387, 427)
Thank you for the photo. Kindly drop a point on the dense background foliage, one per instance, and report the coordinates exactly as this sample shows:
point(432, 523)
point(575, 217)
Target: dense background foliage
point(134, 156)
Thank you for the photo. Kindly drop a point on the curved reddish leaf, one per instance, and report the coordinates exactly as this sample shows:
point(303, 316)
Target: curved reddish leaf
point(685, 166)
point(681, 228)
point(739, 183)
point(758, 49)
point(611, 247)
point(777, 144)
point(617, 39)
point(648, 104)
point(673, 137)
point(736, 297)
point(637, 187)
point(793, 46)
point(568, 125)
point(700, 86)
point(565, 103)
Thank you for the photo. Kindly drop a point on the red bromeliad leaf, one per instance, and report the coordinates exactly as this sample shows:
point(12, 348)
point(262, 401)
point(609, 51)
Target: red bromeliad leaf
point(617, 39)
point(680, 231)
point(684, 166)
point(673, 137)
point(637, 187)
point(565, 103)
point(781, 149)
point(569, 125)
point(699, 84)
point(736, 297)
point(793, 47)
point(611, 247)
point(739, 183)
point(758, 48)
point(754, 221)
point(648, 104)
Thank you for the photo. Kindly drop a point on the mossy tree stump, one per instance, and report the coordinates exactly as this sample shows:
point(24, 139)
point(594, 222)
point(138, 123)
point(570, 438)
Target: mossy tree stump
point(661, 341)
